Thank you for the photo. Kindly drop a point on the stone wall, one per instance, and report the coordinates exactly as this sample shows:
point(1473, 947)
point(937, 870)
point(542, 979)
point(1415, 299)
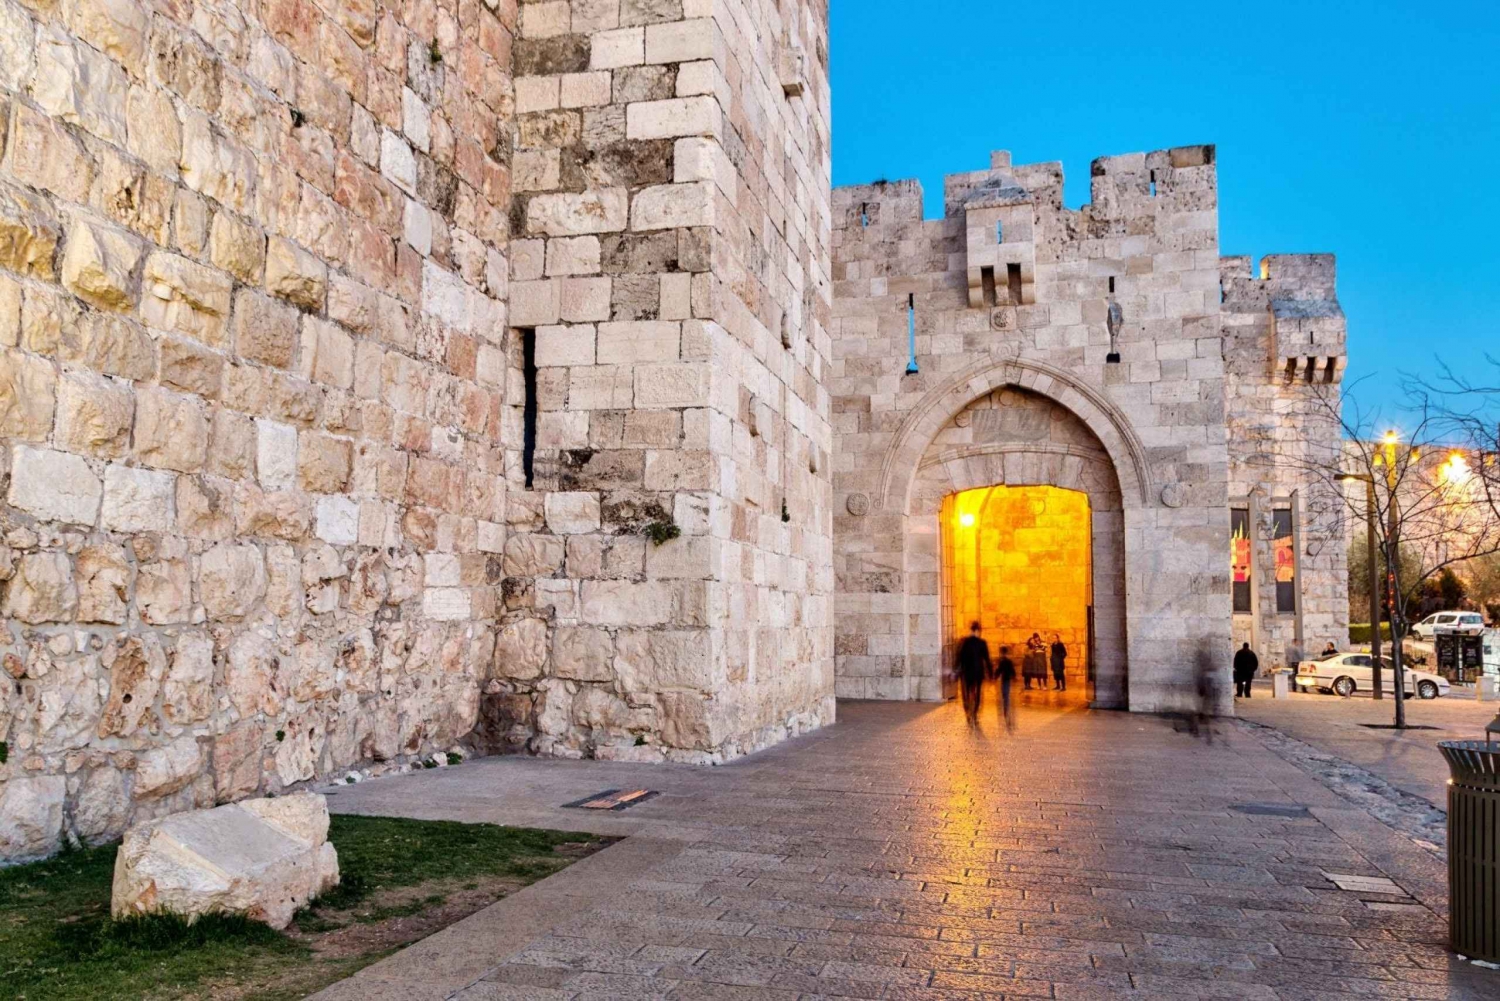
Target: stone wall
point(671, 264)
point(1011, 288)
point(323, 448)
point(252, 376)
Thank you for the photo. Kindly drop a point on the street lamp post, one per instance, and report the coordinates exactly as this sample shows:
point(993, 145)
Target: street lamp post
point(1369, 482)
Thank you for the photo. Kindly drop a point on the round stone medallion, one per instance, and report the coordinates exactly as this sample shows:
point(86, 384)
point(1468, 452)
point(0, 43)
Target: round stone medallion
point(1174, 495)
point(858, 505)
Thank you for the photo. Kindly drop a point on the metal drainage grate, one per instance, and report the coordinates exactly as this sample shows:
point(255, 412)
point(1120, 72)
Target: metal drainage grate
point(1271, 810)
point(613, 799)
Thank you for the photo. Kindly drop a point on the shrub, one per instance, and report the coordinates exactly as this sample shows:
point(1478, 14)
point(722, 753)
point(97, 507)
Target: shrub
point(1359, 632)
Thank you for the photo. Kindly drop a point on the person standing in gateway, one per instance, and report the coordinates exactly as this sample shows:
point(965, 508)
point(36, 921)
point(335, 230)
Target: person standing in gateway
point(1246, 664)
point(973, 667)
point(1059, 654)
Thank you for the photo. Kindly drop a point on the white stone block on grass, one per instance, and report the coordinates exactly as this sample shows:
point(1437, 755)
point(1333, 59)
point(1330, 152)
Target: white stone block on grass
point(264, 858)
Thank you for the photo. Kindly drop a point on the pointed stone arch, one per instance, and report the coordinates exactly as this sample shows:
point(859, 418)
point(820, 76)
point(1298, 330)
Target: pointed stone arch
point(1108, 424)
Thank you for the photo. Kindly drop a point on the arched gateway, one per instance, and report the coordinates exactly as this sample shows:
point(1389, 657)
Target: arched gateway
point(1105, 381)
point(1010, 435)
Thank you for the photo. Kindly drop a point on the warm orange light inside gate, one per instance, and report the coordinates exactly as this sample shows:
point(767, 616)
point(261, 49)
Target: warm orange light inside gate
point(1019, 561)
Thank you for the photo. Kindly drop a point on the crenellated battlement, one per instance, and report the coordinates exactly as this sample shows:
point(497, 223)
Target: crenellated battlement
point(1296, 295)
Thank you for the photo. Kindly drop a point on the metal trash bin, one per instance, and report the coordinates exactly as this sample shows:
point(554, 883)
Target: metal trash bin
point(1473, 848)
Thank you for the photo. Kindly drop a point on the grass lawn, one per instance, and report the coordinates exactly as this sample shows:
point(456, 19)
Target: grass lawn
point(402, 880)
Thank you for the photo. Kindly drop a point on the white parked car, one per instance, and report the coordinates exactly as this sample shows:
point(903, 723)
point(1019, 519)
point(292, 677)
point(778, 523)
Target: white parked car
point(1464, 622)
point(1347, 673)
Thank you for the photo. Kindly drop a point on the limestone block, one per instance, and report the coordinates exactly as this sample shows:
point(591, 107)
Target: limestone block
point(78, 85)
point(566, 214)
point(164, 592)
point(31, 817)
point(237, 762)
point(45, 155)
point(118, 28)
point(583, 300)
point(416, 120)
point(535, 303)
point(572, 513)
point(164, 770)
point(214, 166)
point(521, 650)
point(296, 275)
point(231, 580)
point(42, 589)
point(338, 520)
point(684, 384)
point(98, 265)
point(182, 296)
point(137, 500)
point(17, 46)
point(528, 555)
point(190, 366)
point(68, 703)
point(416, 226)
point(264, 329)
point(171, 430)
point(263, 858)
point(669, 119)
point(136, 666)
point(397, 162)
point(650, 660)
point(625, 603)
point(323, 462)
point(53, 486)
point(673, 206)
point(237, 247)
point(564, 345)
point(103, 583)
point(633, 342)
point(330, 359)
point(275, 454)
point(446, 603)
point(585, 90)
point(94, 415)
point(153, 131)
point(250, 675)
point(188, 696)
point(28, 390)
point(102, 809)
point(616, 48)
point(582, 653)
point(28, 233)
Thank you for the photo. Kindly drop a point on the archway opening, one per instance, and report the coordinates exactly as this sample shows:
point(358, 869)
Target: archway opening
point(1019, 561)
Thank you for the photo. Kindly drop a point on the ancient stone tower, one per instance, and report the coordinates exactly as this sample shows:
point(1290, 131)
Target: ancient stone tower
point(354, 358)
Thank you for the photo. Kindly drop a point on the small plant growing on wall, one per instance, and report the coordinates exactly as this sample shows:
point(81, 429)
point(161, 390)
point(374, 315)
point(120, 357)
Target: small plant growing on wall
point(662, 531)
point(434, 54)
point(785, 514)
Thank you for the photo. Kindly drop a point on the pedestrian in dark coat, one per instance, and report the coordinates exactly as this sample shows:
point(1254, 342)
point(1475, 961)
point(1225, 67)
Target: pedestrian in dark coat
point(1034, 668)
point(1005, 673)
point(1246, 664)
point(973, 667)
point(1059, 664)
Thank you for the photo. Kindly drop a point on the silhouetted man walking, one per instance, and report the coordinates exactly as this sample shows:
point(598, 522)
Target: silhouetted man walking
point(973, 667)
point(1059, 664)
point(1246, 664)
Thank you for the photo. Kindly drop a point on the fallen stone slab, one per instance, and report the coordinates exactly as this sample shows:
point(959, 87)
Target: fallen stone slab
point(264, 858)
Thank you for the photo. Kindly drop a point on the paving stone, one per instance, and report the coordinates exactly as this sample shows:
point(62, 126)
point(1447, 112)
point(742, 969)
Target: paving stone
point(895, 856)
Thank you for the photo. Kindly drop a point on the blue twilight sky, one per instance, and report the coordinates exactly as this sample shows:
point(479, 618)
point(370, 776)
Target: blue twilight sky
point(1369, 128)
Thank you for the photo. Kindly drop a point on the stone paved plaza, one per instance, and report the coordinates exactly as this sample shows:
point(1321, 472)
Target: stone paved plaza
point(895, 855)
